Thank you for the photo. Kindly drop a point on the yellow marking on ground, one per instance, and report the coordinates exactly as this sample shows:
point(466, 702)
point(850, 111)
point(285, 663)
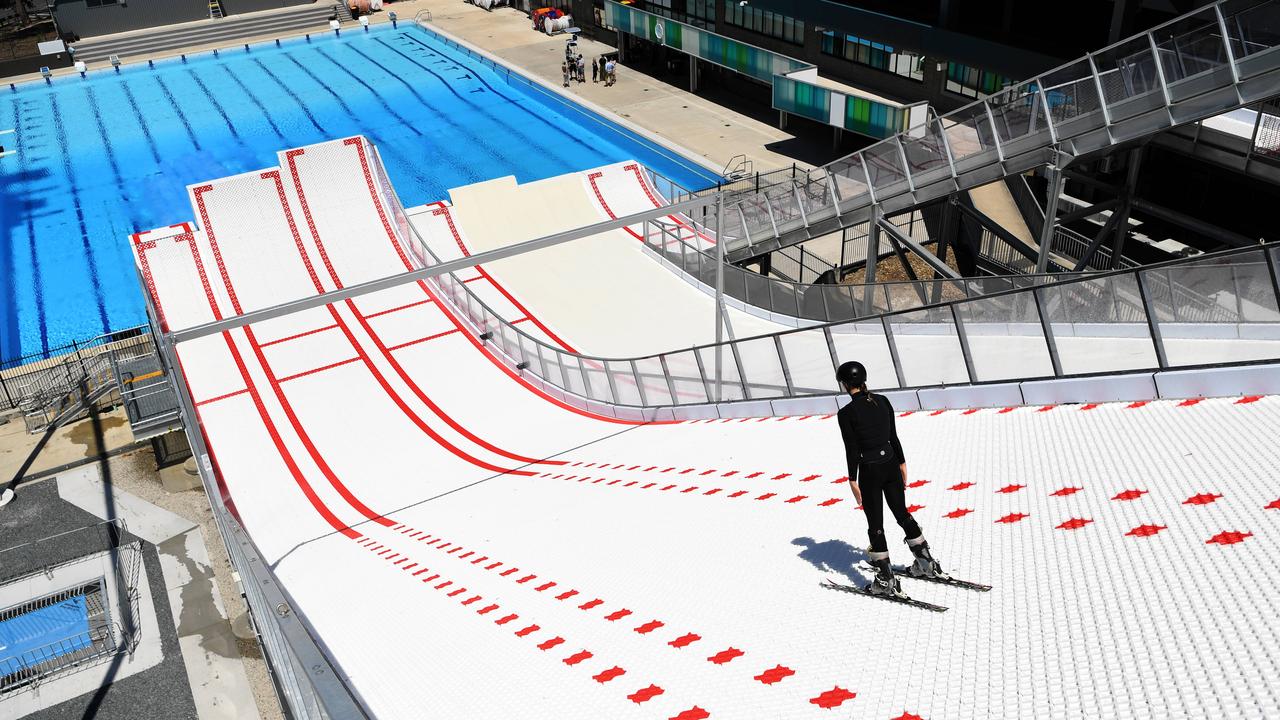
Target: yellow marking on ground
point(148, 376)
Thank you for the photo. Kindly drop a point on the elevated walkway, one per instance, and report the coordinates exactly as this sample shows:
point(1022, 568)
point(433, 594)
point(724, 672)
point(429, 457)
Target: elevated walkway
point(1210, 61)
point(409, 451)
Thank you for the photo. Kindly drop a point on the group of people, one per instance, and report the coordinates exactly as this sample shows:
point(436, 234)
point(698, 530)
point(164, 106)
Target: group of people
point(574, 67)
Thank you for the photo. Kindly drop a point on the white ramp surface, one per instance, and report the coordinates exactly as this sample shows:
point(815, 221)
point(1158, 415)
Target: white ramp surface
point(467, 546)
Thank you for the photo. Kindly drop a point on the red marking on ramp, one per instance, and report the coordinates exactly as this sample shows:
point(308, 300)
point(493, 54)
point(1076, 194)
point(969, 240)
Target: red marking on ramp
point(796, 499)
point(829, 503)
point(645, 694)
point(833, 698)
point(609, 674)
point(1230, 537)
point(775, 674)
point(961, 486)
point(649, 627)
point(1145, 530)
point(1130, 495)
point(548, 644)
point(918, 483)
point(958, 513)
point(590, 604)
point(1013, 518)
point(1190, 402)
point(1201, 499)
point(685, 640)
point(725, 656)
point(1007, 489)
point(1063, 492)
point(526, 631)
point(914, 508)
point(1074, 524)
point(1274, 505)
point(693, 713)
point(617, 615)
point(577, 657)
point(1136, 405)
point(1249, 399)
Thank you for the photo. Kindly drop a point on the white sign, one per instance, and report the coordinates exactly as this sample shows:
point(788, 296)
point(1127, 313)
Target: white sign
point(52, 47)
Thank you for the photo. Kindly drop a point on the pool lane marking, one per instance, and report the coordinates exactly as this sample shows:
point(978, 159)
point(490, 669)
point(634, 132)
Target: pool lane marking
point(567, 104)
point(376, 95)
point(291, 158)
point(142, 123)
point(289, 91)
point(91, 256)
point(529, 140)
point(262, 109)
point(173, 102)
point(37, 278)
point(285, 454)
point(222, 112)
point(475, 342)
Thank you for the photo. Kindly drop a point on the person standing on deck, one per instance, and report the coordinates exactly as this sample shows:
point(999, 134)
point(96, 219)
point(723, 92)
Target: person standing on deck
point(595, 71)
point(878, 476)
point(564, 71)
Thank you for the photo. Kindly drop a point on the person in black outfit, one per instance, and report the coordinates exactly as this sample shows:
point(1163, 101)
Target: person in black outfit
point(878, 468)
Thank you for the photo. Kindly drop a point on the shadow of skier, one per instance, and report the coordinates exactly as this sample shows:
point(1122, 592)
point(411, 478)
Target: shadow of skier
point(833, 556)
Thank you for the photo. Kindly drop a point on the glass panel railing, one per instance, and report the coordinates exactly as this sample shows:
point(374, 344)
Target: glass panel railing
point(1006, 339)
point(625, 385)
point(686, 377)
point(866, 342)
point(762, 368)
point(653, 382)
point(1100, 325)
point(730, 386)
point(929, 347)
point(809, 362)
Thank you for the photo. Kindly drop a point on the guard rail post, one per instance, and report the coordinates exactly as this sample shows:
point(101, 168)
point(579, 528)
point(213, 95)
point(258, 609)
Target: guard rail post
point(719, 310)
point(1153, 324)
point(1047, 328)
point(963, 337)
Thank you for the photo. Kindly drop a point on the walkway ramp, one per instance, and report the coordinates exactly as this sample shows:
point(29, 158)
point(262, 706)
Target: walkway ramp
point(1113, 97)
point(674, 569)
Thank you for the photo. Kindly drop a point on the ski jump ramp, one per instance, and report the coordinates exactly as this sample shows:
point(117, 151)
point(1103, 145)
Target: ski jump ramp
point(466, 545)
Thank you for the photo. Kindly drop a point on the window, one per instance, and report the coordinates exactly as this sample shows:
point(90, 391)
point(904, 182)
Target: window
point(773, 24)
point(877, 55)
point(99, 3)
point(972, 82)
point(699, 13)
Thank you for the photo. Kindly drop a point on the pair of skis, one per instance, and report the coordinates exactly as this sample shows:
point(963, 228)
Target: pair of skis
point(942, 579)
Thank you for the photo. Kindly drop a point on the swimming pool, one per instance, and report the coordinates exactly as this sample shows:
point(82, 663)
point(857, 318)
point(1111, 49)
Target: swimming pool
point(110, 154)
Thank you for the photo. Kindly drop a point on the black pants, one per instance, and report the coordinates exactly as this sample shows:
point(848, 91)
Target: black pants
point(884, 480)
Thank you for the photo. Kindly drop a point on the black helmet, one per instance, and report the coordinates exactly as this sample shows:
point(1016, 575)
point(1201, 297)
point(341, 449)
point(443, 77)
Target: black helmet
point(852, 375)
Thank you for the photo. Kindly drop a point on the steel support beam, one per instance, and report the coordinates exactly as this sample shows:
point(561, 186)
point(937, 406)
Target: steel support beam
point(1050, 218)
point(405, 278)
point(1199, 226)
point(1130, 188)
point(873, 259)
point(938, 266)
point(1085, 212)
point(1098, 239)
point(996, 229)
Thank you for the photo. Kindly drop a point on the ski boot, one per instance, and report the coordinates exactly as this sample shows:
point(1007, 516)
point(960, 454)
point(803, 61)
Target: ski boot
point(884, 582)
point(924, 566)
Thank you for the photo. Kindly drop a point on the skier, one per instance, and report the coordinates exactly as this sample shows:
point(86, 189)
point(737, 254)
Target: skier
point(877, 468)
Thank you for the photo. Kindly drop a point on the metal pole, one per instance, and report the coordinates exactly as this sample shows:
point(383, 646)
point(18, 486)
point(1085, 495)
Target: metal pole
point(873, 257)
point(1153, 324)
point(719, 314)
point(963, 337)
point(1050, 218)
point(893, 351)
point(1047, 328)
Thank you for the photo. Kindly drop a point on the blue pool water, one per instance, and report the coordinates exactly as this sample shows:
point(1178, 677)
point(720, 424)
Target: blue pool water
point(40, 635)
point(101, 157)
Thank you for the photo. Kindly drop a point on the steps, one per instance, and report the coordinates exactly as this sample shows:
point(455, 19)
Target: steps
point(204, 32)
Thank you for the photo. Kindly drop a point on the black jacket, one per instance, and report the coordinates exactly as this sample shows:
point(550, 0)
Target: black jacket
point(869, 431)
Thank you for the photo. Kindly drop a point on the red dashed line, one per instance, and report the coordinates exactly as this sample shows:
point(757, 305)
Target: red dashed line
point(1074, 524)
point(685, 640)
point(1063, 492)
point(1130, 495)
point(961, 486)
point(1136, 405)
point(775, 674)
point(590, 604)
point(1013, 518)
point(1189, 402)
point(617, 615)
point(1007, 489)
point(1249, 399)
point(608, 675)
point(958, 513)
point(766, 496)
point(1145, 530)
point(577, 657)
point(548, 644)
point(527, 630)
point(645, 694)
point(833, 698)
point(1230, 537)
point(1201, 499)
point(829, 503)
point(726, 655)
point(693, 713)
point(918, 483)
point(649, 627)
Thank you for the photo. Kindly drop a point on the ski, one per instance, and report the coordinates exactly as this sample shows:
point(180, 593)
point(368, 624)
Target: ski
point(832, 585)
point(945, 579)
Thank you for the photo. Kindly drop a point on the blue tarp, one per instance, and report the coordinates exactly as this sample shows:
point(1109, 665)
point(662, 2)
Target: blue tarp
point(32, 638)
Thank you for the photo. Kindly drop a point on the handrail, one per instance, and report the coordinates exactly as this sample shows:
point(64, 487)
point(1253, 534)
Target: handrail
point(1058, 111)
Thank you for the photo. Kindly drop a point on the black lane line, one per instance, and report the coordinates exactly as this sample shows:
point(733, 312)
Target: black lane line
point(25, 203)
point(142, 122)
point(60, 132)
point(289, 91)
point(262, 109)
point(216, 105)
point(355, 119)
point(377, 96)
point(173, 102)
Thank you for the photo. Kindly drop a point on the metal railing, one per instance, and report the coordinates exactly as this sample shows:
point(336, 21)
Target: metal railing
point(1203, 63)
point(1045, 331)
point(105, 634)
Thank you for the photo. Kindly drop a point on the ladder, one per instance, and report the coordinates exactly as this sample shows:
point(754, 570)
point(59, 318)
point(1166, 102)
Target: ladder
point(215, 10)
